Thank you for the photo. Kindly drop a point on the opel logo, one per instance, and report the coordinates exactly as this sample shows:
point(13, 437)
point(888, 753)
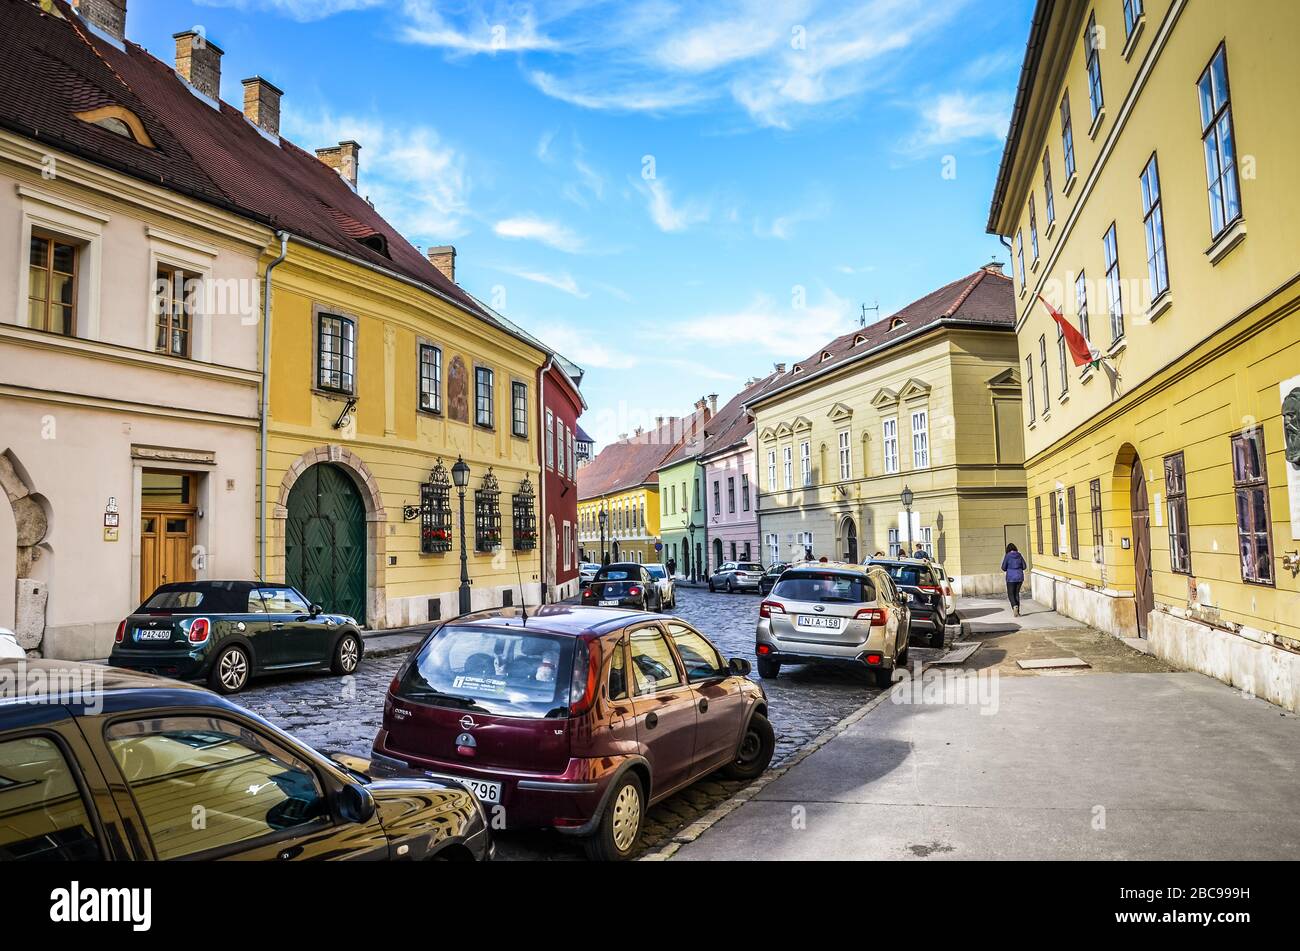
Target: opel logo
point(467, 722)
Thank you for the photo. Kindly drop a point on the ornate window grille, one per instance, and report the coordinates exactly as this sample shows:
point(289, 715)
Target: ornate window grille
point(435, 512)
point(487, 514)
point(524, 516)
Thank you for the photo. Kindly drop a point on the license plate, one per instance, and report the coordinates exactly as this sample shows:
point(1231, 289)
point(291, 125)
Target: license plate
point(482, 789)
point(609, 604)
point(153, 635)
point(812, 620)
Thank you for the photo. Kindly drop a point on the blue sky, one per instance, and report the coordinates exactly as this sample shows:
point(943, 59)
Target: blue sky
point(675, 195)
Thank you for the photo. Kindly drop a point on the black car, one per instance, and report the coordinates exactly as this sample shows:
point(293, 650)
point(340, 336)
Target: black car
point(921, 580)
point(624, 584)
point(226, 632)
point(771, 577)
point(100, 764)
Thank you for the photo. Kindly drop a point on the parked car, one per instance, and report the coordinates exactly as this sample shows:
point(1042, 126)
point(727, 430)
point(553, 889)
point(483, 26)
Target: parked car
point(9, 644)
point(664, 581)
point(226, 632)
point(834, 611)
point(925, 582)
point(736, 576)
point(624, 585)
point(587, 573)
point(115, 770)
point(577, 719)
point(769, 579)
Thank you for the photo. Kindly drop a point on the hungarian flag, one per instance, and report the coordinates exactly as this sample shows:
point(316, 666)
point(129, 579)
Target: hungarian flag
point(1083, 353)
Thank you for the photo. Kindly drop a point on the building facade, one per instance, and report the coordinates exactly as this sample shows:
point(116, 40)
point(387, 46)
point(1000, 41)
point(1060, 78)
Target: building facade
point(128, 348)
point(683, 522)
point(561, 404)
point(1164, 482)
point(927, 400)
point(729, 476)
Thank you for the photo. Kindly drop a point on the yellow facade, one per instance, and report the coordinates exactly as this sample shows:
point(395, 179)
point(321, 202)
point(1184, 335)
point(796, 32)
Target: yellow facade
point(968, 484)
point(387, 444)
point(1199, 365)
point(632, 529)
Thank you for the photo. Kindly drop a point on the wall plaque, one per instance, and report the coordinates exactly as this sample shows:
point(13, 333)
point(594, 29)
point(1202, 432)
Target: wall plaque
point(457, 391)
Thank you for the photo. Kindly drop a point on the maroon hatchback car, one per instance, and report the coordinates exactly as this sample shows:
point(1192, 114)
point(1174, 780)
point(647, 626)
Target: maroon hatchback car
point(574, 718)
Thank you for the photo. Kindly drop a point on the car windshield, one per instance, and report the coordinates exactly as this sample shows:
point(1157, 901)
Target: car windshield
point(499, 671)
point(825, 587)
point(656, 571)
point(617, 574)
point(749, 566)
point(913, 575)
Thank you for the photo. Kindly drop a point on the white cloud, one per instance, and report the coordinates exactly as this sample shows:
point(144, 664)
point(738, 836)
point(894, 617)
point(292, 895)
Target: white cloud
point(553, 234)
point(780, 330)
point(632, 98)
point(668, 215)
point(561, 282)
point(584, 348)
point(501, 31)
point(301, 10)
point(417, 181)
point(950, 118)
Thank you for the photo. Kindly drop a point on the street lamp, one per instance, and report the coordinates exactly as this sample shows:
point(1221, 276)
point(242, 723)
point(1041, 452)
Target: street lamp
point(695, 558)
point(908, 497)
point(604, 520)
point(460, 476)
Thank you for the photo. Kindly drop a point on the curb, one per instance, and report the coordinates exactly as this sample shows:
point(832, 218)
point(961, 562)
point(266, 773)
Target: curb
point(739, 798)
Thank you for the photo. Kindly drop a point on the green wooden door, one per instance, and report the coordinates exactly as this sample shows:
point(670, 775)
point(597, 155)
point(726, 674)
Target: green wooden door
point(325, 541)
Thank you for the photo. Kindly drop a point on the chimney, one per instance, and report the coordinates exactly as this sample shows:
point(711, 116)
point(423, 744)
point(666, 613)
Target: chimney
point(198, 60)
point(343, 158)
point(444, 259)
point(713, 404)
point(994, 267)
point(659, 422)
point(262, 104)
point(779, 367)
point(107, 16)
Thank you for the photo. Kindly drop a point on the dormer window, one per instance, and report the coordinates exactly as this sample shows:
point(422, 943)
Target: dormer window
point(859, 340)
point(376, 242)
point(897, 323)
point(796, 369)
point(119, 121)
point(826, 355)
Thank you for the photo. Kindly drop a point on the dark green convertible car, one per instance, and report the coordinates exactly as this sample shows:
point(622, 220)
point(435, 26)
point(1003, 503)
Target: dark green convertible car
point(225, 632)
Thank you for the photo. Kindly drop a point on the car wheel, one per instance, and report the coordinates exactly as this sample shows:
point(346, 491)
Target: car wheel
point(347, 654)
point(230, 670)
point(936, 636)
point(902, 658)
point(768, 669)
point(953, 618)
point(619, 827)
point(711, 588)
point(755, 750)
point(731, 586)
point(883, 677)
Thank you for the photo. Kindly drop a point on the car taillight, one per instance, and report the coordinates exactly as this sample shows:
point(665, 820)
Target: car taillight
point(874, 615)
point(932, 588)
point(121, 633)
point(200, 628)
point(763, 649)
point(768, 608)
point(589, 594)
point(634, 591)
point(872, 660)
point(582, 685)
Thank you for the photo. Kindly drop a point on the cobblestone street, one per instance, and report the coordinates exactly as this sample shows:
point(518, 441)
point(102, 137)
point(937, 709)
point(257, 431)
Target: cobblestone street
point(344, 715)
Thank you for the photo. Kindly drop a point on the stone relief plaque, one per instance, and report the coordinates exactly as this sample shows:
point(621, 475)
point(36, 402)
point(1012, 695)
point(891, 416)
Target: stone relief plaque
point(457, 391)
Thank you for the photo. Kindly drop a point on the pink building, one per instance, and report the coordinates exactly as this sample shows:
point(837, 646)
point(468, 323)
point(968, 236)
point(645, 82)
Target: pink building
point(730, 480)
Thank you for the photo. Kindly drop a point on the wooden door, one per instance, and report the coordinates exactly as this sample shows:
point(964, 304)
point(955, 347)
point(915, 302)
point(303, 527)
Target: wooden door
point(1143, 594)
point(166, 547)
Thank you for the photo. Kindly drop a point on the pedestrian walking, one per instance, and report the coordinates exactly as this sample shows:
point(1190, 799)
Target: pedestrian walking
point(672, 567)
point(1013, 563)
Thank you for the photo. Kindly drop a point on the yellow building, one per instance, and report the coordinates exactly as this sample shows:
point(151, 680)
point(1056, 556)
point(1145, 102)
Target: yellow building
point(928, 400)
point(1148, 190)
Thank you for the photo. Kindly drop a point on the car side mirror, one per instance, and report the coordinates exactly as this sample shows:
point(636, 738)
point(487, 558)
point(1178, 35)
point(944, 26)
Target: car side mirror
point(951, 578)
point(905, 596)
point(316, 609)
point(739, 667)
point(355, 803)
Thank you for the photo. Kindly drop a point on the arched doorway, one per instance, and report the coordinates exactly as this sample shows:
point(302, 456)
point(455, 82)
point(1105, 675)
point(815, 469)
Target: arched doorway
point(616, 551)
point(717, 553)
point(325, 540)
point(850, 534)
point(1130, 480)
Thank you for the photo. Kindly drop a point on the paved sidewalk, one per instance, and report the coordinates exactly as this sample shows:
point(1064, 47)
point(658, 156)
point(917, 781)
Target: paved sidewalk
point(1124, 760)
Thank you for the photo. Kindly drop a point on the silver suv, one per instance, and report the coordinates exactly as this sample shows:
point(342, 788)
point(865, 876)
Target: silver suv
point(834, 611)
point(736, 576)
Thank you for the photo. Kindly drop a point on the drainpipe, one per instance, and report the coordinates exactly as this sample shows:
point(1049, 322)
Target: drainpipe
point(266, 403)
point(541, 478)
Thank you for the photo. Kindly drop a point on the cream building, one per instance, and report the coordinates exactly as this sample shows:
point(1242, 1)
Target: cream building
point(1148, 187)
point(927, 399)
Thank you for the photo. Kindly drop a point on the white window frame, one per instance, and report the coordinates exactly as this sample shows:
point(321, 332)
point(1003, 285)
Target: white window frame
point(787, 462)
point(550, 440)
point(895, 543)
point(774, 547)
point(771, 470)
point(846, 455)
point(921, 439)
point(805, 463)
point(889, 429)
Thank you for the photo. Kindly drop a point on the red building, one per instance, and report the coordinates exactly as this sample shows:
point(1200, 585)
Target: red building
point(560, 405)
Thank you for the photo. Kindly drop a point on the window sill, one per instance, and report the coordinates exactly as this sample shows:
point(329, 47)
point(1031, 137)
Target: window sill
point(1117, 347)
point(1086, 375)
point(333, 394)
point(1158, 306)
point(1131, 43)
point(1033, 424)
point(486, 429)
point(432, 413)
point(1069, 184)
point(1225, 242)
point(1047, 417)
point(1033, 267)
point(1064, 397)
point(1024, 288)
point(1097, 122)
point(522, 437)
point(1050, 229)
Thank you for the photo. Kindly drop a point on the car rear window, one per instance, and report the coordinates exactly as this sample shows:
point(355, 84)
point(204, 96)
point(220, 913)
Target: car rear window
point(504, 672)
point(618, 574)
point(749, 566)
point(215, 598)
point(909, 574)
point(826, 587)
